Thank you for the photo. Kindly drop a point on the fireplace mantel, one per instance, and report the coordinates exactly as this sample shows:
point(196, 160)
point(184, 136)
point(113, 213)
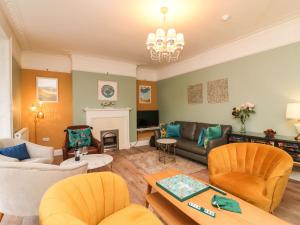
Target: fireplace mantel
point(108, 119)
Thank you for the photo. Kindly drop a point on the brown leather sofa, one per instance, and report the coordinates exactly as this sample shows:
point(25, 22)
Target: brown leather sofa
point(94, 148)
point(187, 144)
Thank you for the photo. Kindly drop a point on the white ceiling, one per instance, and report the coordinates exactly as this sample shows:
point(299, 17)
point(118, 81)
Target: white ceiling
point(118, 28)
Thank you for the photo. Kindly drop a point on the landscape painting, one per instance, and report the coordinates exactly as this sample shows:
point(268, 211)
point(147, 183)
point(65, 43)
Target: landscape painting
point(144, 94)
point(47, 89)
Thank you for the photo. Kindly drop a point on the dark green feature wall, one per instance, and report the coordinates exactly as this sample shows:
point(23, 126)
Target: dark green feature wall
point(269, 79)
point(85, 86)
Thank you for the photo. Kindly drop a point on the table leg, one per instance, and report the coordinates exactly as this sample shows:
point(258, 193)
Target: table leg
point(149, 189)
point(111, 166)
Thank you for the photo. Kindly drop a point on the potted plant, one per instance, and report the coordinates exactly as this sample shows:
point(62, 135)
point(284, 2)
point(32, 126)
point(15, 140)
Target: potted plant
point(243, 112)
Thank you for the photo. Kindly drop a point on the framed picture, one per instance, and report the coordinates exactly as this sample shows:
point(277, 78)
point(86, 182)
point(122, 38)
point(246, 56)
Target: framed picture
point(47, 89)
point(107, 90)
point(144, 94)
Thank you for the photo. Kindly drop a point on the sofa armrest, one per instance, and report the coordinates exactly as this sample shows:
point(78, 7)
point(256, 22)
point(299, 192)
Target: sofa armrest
point(8, 159)
point(39, 151)
point(96, 143)
point(216, 143)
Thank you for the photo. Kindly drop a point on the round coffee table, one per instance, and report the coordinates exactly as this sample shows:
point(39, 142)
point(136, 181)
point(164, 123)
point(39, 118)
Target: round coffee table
point(95, 161)
point(166, 149)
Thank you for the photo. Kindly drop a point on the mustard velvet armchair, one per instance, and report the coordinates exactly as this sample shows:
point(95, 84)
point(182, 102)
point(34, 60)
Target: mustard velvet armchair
point(254, 172)
point(92, 199)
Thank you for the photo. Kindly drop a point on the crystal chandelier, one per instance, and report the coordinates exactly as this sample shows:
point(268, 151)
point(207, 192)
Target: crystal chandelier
point(162, 46)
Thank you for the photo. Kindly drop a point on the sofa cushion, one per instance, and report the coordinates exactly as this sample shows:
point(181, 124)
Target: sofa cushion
point(188, 130)
point(18, 151)
point(81, 137)
point(190, 146)
point(245, 186)
point(173, 130)
point(199, 127)
point(38, 160)
point(132, 215)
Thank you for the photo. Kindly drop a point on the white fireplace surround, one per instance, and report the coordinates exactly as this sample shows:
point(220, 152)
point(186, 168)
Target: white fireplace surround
point(110, 119)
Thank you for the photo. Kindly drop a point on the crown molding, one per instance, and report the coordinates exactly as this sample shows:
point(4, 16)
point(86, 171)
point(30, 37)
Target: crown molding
point(101, 65)
point(276, 36)
point(44, 61)
point(15, 18)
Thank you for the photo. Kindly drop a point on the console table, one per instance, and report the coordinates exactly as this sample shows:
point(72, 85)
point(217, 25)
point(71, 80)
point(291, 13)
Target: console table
point(288, 144)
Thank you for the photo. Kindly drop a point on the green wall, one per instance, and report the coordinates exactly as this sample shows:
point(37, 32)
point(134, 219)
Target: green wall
point(16, 95)
point(269, 79)
point(85, 86)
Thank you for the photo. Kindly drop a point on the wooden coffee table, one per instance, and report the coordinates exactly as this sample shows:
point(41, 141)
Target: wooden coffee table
point(174, 212)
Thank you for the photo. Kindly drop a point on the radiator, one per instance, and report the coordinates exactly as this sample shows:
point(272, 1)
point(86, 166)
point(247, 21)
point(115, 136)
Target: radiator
point(22, 134)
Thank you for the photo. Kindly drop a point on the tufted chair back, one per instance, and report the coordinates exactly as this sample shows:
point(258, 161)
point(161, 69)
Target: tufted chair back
point(84, 200)
point(269, 164)
point(252, 158)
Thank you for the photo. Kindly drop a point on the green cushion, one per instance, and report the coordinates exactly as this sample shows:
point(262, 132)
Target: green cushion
point(82, 137)
point(212, 133)
point(173, 130)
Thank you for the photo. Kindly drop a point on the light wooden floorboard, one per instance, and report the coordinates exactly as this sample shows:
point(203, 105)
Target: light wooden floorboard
point(289, 209)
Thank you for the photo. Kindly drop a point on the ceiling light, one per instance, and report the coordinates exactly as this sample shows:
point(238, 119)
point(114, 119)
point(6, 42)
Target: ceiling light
point(164, 45)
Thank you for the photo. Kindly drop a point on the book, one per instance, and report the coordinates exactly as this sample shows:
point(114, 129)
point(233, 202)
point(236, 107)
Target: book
point(182, 187)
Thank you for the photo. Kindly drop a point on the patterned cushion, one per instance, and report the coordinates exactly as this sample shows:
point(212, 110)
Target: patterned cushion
point(81, 137)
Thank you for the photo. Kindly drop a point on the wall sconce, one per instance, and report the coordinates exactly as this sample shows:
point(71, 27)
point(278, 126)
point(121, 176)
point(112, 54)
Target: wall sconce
point(38, 114)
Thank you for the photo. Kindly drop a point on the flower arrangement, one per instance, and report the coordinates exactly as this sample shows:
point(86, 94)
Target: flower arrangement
point(243, 112)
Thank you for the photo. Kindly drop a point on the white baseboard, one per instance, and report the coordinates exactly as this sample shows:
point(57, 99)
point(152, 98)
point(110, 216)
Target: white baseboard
point(139, 143)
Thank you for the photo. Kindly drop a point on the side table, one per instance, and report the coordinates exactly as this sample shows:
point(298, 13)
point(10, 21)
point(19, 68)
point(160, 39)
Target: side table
point(166, 150)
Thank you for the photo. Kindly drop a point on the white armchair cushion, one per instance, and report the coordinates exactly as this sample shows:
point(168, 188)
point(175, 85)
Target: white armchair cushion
point(38, 160)
point(34, 150)
point(8, 159)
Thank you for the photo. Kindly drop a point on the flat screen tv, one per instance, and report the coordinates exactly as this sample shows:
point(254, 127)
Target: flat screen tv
point(147, 119)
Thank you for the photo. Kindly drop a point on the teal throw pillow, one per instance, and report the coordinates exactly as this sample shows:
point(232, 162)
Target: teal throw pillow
point(82, 137)
point(202, 137)
point(173, 130)
point(212, 133)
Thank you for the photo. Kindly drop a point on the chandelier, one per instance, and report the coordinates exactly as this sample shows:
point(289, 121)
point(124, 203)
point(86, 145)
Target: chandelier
point(165, 45)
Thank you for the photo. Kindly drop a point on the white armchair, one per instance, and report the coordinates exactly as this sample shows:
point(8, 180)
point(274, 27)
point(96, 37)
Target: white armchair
point(23, 185)
point(37, 153)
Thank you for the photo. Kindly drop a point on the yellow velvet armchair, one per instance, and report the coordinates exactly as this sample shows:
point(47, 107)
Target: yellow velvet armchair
point(92, 199)
point(254, 172)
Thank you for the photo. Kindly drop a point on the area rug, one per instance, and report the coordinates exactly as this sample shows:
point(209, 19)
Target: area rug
point(148, 162)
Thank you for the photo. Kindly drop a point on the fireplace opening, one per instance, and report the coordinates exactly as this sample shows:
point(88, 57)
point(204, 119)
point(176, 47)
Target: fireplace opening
point(110, 139)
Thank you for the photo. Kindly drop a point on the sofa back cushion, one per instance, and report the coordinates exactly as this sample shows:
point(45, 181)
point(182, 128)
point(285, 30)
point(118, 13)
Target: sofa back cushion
point(187, 129)
point(226, 129)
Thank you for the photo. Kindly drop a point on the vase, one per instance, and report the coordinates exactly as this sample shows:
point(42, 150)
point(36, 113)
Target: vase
point(243, 128)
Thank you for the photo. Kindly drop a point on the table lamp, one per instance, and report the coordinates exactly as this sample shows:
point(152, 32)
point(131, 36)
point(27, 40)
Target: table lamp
point(293, 113)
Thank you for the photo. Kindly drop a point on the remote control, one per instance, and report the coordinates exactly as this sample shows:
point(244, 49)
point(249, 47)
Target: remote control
point(217, 189)
point(201, 209)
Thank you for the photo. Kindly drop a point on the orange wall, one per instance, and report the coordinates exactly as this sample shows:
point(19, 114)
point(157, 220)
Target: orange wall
point(57, 115)
point(153, 105)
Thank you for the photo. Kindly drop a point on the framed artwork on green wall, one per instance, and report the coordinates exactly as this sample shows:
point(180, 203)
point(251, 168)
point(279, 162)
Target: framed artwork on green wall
point(107, 90)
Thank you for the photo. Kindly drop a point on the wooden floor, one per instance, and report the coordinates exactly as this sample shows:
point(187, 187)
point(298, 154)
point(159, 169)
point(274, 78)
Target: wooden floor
point(289, 209)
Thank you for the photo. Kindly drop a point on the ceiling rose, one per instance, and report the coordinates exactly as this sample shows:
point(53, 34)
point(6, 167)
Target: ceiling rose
point(165, 46)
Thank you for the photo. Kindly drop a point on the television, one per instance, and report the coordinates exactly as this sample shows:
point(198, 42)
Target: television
point(147, 119)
